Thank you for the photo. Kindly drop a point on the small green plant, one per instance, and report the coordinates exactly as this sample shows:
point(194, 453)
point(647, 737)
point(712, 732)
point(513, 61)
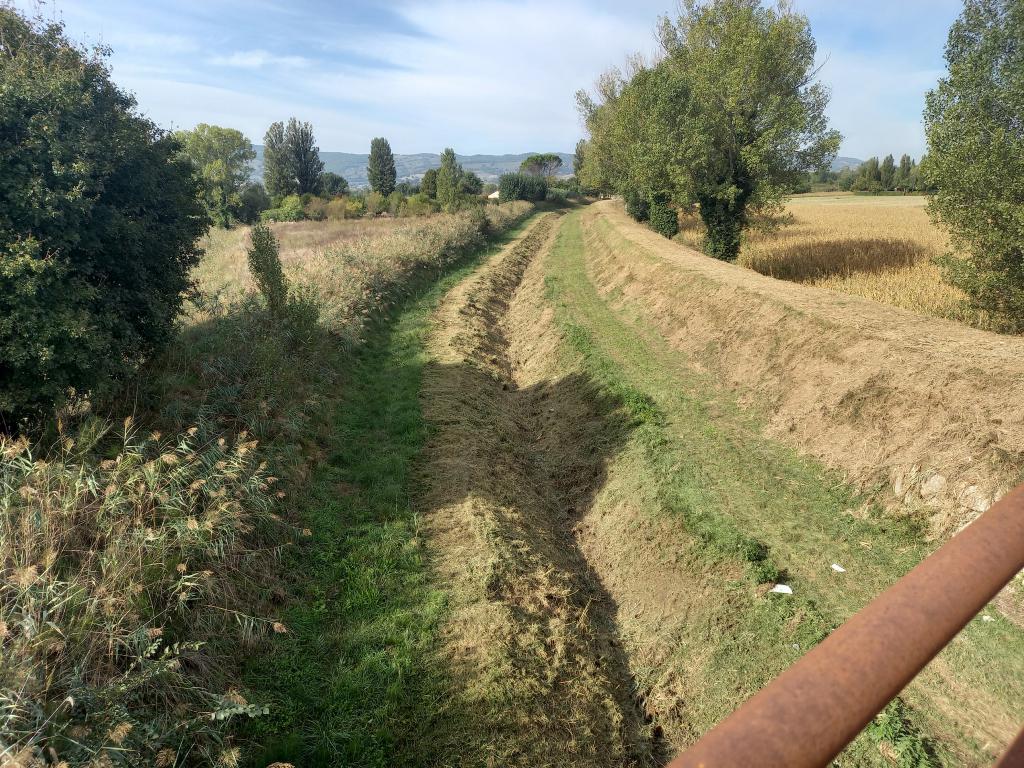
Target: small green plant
point(265, 266)
point(893, 728)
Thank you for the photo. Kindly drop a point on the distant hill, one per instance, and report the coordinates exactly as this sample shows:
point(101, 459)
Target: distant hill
point(412, 167)
point(841, 163)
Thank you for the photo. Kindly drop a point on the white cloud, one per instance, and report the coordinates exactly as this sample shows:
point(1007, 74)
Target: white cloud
point(258, 59)
point(877, 103)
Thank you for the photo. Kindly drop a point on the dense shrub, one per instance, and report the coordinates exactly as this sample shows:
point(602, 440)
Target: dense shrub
point(99, 222)
point(290, 209)
point(254, 201)
point(522, 186)
point(420, 205)
point(663, 218)
point(637, 205)
point(374, 203)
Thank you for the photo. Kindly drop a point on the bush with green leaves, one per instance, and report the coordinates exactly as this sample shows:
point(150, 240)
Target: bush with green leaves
point(637, 204)
point(522, 186)
point(291, 209)
point(254, 201)
point(973, 121)
point(99, 224)
point(662, 217)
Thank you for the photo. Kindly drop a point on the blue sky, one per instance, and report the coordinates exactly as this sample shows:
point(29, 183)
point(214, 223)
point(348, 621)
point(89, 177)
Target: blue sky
point(483, 76)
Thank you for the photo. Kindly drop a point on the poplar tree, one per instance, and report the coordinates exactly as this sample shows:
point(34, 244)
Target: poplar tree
point(380, 170)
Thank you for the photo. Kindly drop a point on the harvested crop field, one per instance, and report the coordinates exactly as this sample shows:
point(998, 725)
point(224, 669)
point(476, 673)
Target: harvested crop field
point(877, 247)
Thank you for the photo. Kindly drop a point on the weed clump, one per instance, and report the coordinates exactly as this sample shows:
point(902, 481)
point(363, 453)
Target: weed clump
point(265, 266)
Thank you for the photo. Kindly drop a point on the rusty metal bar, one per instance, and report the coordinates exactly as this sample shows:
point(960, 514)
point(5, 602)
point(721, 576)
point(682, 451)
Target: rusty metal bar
point(811, 711)
point(1014, 756)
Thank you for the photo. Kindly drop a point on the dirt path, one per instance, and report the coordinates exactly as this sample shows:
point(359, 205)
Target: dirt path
point(532, 642)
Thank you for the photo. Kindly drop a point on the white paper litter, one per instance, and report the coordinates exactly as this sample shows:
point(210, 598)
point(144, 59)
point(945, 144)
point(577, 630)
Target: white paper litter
point(838, 568)
point(986, 617)
point(782, 589)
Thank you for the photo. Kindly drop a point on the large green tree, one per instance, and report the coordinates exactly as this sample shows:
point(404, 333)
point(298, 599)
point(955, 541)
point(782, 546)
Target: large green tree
point(974, 121)
point(449, 176)
point(223, 158)
point(380, 170)
point(428, 185)
point(887, 173)
point(99, 222)
point(334, 184)
point(545, 165)
point(291, 160)
point(730, 118)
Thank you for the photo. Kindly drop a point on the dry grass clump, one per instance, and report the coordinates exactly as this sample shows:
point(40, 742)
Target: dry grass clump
point(356, 277)
point(115, 574)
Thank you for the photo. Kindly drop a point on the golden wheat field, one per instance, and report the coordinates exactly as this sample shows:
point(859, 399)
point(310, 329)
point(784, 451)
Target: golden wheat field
point(880, 248)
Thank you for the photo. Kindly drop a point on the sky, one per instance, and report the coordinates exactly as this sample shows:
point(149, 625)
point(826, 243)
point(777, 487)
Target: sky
point(482, 76)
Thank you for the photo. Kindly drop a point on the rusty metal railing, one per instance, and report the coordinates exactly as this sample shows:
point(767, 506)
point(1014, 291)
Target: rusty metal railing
point(805, 717)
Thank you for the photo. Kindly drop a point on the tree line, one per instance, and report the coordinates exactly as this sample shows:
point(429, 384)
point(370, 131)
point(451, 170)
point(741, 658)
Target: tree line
point(729, 120)
point(726, 121)
point(870, 176)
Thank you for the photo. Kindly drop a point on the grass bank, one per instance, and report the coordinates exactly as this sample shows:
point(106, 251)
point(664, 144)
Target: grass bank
point(712, 512)
point(351, 683)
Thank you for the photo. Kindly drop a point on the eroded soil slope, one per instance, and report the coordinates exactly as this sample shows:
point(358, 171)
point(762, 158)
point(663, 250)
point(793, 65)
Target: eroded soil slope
point(926, 410)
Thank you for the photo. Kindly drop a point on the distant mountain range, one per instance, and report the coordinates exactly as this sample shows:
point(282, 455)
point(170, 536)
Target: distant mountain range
point(841, 163)
point(412, 167)
point(487, 167)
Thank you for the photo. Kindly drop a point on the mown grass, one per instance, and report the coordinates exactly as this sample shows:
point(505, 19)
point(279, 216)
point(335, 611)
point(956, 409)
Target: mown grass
point(352, 683)
point(878, 247)
point(701, 460)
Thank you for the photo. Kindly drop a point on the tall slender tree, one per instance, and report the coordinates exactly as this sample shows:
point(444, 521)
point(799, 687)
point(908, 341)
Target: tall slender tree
point(305, 154)
point(428, 186)
point(887, 173)
point(380, 170)
point(291, 159)
point(278, 177)
point(448, 177)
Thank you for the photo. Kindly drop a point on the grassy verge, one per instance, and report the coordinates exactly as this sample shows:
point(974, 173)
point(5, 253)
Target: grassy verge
point(739, 504)
point(350, 683)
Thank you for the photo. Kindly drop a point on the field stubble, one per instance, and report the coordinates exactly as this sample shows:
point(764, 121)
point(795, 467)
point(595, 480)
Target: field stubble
point(881, 248)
